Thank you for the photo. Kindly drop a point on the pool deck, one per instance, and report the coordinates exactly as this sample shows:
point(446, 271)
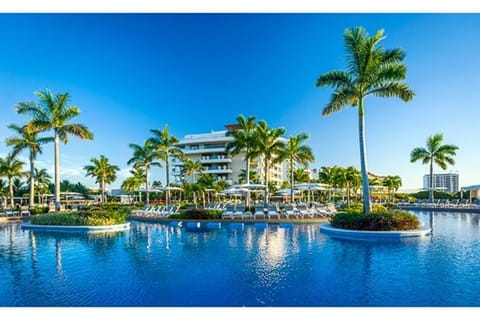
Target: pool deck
point(160, 219)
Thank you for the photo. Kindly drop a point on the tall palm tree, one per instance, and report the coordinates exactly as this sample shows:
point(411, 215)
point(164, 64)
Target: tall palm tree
point(253, 175)
point(166, 149)
point(10, 167)
point(371, 71)
point(243, 141)
point(103, 172)
point(393, 183)
point(269, 146)
point(27, 139)
point(54, 113)
point(42, 180)
point(297, 153)
point(435, 152)
point(301, 175)
point(144, 157)
point(190, 168)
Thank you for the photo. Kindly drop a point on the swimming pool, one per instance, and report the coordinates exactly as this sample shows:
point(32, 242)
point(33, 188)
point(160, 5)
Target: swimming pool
point(156, 264)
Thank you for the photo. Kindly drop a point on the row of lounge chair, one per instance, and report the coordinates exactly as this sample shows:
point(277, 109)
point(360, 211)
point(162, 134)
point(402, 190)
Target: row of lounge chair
point(273, 211)
point(15, 213)
point(156, 211)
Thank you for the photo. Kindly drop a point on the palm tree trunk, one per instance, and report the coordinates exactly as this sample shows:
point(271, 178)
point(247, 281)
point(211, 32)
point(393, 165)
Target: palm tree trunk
point(147, 182)
point(103, 191)
point(266, 184)
point(167, 191)
point(247, 172)
point(10, 189)
point(57, 171)
point(363, 157)
point(292, 180)
point(32, 182)
point(431, 181)
point(348, 196)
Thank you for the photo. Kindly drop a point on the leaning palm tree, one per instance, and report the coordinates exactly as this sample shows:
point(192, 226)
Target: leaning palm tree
point(54, 113)
point(166, 149)
point(10, 167)
point(371, 71)
point(144, 157)
point(297, 153)
point(28, 139)
point(103, 172)
point(190, 168)
point(393, 183)
point(435, 152)
point(268, 146)
point(243, 141)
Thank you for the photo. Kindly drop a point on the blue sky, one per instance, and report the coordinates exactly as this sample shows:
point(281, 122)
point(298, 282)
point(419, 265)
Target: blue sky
point(130, 73)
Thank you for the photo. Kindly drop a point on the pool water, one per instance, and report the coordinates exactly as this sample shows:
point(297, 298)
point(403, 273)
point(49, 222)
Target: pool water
point(155, 264)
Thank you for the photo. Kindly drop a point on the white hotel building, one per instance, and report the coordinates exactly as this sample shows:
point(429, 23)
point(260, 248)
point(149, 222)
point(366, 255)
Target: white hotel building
point(210, 150)
point(444, 182)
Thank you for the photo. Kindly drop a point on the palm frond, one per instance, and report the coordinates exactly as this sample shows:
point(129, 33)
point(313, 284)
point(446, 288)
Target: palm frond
point(393, 89)
point(338, 101)
point(335, 79)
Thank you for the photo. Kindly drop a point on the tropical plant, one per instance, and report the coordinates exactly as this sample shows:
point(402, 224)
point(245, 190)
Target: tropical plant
point(243, 141)
point(301, 175)
point(42, 180)
point(393, 183)
point(10, 167)
point(103, 172)
point(205, 181)
point(27, 139)
point(347, 178)
point(144, 157)
point(268, 145)
point(296, 152)
point(166, 149)
point(19, 187)
point(254, 177)
point(54, 113)
point(371, 70)
point(190, 168)
point(435, 152)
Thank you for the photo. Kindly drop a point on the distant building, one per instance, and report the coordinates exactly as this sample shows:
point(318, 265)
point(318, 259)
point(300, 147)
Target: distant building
point(444, 182)
point(210, 150)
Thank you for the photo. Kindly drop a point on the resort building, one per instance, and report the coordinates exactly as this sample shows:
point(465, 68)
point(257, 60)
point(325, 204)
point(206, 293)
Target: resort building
point(444, 182)
point(210, 150)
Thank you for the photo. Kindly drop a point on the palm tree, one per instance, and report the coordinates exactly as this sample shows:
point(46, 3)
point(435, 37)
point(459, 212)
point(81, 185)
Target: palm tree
point(27, 139)
point(347, 178)
point(301, 175)
point(144, 157)
point(243, 141)
point(54, 113)
point(135, 181)
point(371, 70)
point(297, 153)
point(393, 183)
point(435, 152)
point(10, 167)
point(190, 167)
point(18, 187)
point(103, 171)
point(42, 180)
point(165, 145)
point(205, 181)
point(326, 175)
point(253, 175)
point(269, 146)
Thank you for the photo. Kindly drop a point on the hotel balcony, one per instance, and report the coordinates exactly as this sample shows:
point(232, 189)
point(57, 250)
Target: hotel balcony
point(216, 160)
point(203, 150)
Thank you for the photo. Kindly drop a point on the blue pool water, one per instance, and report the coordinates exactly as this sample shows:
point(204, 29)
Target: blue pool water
point(254, 265)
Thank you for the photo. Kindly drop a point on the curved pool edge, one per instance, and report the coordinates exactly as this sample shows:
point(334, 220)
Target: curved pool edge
point(89, 229)
point(327, 229)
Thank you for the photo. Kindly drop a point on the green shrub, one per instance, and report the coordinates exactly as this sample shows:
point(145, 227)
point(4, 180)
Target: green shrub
point(38, 210)
point(91, 217)
point(382, 221)
point(198, 214)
